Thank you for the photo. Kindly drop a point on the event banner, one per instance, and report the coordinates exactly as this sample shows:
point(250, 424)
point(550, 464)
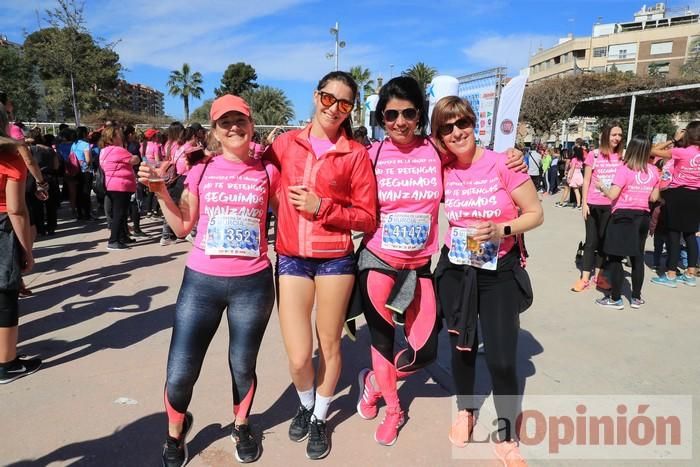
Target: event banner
point(508, 111)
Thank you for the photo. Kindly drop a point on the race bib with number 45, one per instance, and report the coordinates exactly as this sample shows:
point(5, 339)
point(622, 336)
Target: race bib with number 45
point(465, 250)
point(233, 235)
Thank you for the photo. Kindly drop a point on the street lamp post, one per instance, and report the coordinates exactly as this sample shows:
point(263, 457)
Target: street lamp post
point(391, 70)
point(335, 32)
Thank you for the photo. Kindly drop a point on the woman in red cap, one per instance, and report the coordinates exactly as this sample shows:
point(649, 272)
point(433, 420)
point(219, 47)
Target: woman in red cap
point(327, 191)
point(227, 269)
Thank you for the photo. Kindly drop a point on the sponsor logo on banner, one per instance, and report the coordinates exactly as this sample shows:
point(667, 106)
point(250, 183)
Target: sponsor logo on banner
point(507, 126)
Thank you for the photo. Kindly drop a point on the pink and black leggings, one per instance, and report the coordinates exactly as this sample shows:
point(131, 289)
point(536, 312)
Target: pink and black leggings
point(421, 330)
point(248, 302)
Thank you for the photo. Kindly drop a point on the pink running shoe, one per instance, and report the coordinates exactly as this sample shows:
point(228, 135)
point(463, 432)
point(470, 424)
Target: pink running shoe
point(508, 453)
point(368, 396)
point(462, 428)
point(388, 431)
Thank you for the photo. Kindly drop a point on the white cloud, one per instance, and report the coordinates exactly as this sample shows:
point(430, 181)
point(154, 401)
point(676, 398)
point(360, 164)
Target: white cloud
point(509, 50)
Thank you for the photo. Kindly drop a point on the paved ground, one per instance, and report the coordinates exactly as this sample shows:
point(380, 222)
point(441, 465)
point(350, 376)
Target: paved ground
point(101, 321)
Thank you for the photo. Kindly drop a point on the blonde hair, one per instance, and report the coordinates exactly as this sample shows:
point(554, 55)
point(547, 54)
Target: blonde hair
point(110, 134)
point(446, 109)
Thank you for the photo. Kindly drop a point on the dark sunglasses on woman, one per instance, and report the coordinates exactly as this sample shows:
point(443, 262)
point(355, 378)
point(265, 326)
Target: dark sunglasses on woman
point(447, 128)
point(392, 115)
point(328, 99)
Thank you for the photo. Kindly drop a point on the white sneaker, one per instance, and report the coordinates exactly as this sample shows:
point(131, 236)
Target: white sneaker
point(166, 242)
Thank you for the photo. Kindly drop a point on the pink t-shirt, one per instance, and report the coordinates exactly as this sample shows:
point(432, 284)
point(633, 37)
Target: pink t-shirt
point(180, 159)
point(686, 169)
point(119, 173)
point(603, 169)
point(231, 188)
point(409, 184)
point(320, 146)
point(576, 164)
point(256, 150)
point(152, 149)
point(170, 149)
point(481, 191)
point(16, 132)
point(636, 187)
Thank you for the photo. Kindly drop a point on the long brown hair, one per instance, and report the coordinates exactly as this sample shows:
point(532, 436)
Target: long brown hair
point(605, 148)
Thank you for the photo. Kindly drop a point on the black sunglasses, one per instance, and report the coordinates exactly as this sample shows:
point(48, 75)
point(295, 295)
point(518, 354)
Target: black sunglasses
point(447, 128)
point(392, 115)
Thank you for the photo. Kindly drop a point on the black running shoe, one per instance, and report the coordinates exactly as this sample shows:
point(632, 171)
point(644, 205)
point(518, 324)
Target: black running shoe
point(20, 366)
point(299, 428)
point(175, 450)
point(318, 446)
point(247, 449)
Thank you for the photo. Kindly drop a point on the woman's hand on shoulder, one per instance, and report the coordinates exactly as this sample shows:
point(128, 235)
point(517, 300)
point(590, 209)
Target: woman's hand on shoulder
point(515, 160)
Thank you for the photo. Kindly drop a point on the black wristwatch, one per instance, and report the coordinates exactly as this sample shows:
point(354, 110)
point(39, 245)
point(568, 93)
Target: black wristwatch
point(506, 230)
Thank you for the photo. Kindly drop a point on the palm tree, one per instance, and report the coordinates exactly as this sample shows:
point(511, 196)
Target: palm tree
point(366, 85)
point(422, 73)
point(269, 105)
point(183, 83)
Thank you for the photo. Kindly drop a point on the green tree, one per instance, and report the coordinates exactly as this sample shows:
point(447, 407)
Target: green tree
point(238, 78)
point(16, 76)
point(67, 55)
point(422, 73)
point(691, 68)
point(185, 83)
point(270, 106)
point(201, 113)
point(362, 78)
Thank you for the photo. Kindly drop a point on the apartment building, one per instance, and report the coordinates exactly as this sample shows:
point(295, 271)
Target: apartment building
point(140, 98)
point(657, 41)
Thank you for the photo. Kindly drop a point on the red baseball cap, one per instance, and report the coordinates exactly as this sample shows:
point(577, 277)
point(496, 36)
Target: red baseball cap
point(228, 103)
point(150, 133)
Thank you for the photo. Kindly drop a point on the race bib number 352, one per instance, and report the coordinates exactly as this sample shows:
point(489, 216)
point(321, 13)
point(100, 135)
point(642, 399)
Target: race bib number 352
point(405, 232)
point(232, 235)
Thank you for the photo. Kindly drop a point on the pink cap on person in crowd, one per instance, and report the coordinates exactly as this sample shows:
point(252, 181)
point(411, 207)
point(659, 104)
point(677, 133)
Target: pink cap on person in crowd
point(228, 103)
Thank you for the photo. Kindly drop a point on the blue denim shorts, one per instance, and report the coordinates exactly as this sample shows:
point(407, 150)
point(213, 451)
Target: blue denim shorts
point(310, 267)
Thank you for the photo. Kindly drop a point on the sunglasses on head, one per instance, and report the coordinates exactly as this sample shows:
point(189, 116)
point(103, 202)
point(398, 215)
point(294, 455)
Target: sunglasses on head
point(447, 128)
point(327, 100)
point(392, 115)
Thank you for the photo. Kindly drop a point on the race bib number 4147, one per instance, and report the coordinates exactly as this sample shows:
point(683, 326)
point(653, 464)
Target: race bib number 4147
point(405, 231)
point(233, 235)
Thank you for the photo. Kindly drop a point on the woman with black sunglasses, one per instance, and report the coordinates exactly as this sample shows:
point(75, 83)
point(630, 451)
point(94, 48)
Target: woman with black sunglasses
point(480, 273)
point(395, 282)
point(327, 191)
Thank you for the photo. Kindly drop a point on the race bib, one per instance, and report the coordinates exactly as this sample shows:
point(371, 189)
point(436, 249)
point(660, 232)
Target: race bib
point(405, 232)
point(466, 250)
point(233, 235)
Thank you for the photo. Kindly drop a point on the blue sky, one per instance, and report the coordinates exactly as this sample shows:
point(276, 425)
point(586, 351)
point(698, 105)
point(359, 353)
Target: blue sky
point(286, 40)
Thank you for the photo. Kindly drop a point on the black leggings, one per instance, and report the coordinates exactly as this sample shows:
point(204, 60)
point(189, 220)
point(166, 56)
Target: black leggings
point(499, 302)
point(596, 223)
point(248, 302)
point(119, 201)
point(674, 249)
point(637, 262)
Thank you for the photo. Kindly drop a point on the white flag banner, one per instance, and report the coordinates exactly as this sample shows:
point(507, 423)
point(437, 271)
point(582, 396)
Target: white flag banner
point(441, 86)
point(508, 111)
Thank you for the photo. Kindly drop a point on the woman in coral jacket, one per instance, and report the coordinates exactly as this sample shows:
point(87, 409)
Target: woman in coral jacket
point(327, 190)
